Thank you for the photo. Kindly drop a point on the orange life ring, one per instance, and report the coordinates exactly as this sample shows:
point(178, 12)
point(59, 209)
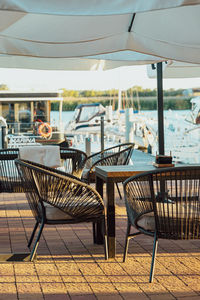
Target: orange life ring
point(45, 130)
point(197, 119)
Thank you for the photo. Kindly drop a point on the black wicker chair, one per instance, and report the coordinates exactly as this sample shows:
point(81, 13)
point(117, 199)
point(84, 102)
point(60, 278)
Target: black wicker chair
point(59, 198)
point(10, 180)
point(116, 155)
point(72, 161)
point(164, 204)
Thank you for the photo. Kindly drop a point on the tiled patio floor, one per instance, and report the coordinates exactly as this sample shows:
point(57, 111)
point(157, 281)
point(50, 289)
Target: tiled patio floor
point(69, 266)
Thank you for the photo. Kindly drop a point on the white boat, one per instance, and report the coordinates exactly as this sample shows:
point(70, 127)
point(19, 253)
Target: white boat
point(182, 135)
point(86, 123)
point(87, 118)
point(194, 116)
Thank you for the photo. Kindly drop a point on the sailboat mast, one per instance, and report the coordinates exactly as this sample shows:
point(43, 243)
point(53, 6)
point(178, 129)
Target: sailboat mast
point(119, 100)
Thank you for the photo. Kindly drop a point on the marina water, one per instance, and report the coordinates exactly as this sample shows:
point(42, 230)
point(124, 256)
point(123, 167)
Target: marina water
point(173, 120)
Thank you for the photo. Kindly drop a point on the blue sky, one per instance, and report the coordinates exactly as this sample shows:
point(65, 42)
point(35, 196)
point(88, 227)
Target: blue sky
point(124, 78)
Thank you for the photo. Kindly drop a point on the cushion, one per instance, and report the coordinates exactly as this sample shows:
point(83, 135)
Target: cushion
point(54, 213)
point(147, 221)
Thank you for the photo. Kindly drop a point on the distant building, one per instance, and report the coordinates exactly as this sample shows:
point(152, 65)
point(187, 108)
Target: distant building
point(27, 107)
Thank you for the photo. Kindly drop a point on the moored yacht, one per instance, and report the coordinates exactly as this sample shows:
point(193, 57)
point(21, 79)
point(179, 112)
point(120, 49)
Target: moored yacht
point(87, 118)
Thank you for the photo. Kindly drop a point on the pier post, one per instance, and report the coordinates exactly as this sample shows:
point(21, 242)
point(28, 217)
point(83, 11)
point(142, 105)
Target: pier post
point(109, 113)
point(129, 134)
point(102, 133)
point(88, 146)
point(88, 150)
point(119, 100)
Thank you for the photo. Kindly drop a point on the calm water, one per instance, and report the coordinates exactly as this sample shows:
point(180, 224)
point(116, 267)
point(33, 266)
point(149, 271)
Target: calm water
point(182, 151)
point(175, 115)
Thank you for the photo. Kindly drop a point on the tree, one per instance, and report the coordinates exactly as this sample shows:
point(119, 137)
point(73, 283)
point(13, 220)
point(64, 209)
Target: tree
point(70, 93)
point(88, 93)
point(3, 87)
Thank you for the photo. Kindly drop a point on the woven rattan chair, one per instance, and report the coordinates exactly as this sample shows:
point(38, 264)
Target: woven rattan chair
point(59, 198)
point(116, 155)
point(164, 204)
point(10, 180)
point(72, 161)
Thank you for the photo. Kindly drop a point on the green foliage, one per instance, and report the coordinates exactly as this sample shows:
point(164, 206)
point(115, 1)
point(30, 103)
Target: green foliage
point(136, 97)
point(177, 104)
point(3, 87)
point(70, 93)
point(92, 93)
point(146, 103)
point(173, 92)
point(88, 93)
point(132, 92)
point(152, 93)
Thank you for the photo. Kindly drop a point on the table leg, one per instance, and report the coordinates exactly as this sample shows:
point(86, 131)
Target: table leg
point(99, 186)
point(111, 219)
point(98, 232)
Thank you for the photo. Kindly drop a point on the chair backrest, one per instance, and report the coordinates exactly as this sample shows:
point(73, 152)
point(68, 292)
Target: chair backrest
point(72, 161)
point(171, 196)
point(9, 178)
point(68, 193)
point(116, 155)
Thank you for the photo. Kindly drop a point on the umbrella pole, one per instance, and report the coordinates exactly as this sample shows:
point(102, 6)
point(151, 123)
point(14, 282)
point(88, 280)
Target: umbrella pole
point(161, 144)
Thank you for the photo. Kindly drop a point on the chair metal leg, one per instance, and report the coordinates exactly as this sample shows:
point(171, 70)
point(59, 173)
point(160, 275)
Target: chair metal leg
point(106, 246)
point(127, 240)
point(37, 242)
point(155, 245)
point(105, 240)
point(33, 234)
point(128, 237)
point(120, 196)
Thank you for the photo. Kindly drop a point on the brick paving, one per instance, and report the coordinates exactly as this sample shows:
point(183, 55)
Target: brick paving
point(70, 266)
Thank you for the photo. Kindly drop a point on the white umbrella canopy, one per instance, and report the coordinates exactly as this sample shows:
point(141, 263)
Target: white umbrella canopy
point(90, 63)
point(70, 29)
point(90, 7)
point(176, 69)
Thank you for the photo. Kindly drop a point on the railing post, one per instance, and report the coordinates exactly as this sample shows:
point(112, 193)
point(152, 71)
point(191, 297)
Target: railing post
point(88, 146)
point(102, 133)
point(129, 134)
point(88, 151)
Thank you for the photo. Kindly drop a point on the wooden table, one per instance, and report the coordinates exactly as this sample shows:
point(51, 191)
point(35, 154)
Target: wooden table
point(111, 175)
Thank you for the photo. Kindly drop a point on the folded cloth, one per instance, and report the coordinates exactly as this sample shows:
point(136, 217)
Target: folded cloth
point(45, 155)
